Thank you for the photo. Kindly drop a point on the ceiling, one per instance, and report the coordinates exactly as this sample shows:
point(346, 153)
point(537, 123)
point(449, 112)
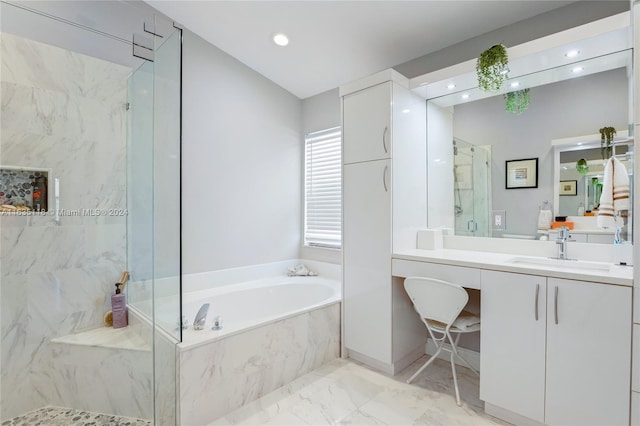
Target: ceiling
point(336, 42)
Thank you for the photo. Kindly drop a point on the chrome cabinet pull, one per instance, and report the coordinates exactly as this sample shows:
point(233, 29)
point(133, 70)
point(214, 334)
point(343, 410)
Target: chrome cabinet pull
point(384, 139)
point(384, 179)
point(555, 304)
point(537, 298)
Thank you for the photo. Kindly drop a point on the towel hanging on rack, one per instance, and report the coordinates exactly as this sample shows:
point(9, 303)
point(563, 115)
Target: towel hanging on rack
point(615, 194)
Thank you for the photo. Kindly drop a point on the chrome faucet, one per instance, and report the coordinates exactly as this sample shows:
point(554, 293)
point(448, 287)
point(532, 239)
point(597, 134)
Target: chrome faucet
point(561, 242)
point(201, 317)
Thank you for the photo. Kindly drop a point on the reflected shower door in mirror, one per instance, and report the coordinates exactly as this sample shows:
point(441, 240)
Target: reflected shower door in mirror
point(472, 188)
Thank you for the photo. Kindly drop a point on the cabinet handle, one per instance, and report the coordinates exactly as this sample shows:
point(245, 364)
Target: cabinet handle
point(555, 304)
point(537, 298)
point(384, 179)
point(384, 139)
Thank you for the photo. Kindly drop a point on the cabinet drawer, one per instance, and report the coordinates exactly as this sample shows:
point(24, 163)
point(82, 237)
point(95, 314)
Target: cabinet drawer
point(600, 238)
point(466, 277)
point(578, 238)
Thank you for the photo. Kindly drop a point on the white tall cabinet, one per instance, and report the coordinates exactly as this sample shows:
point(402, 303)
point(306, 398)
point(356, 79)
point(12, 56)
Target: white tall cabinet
point(556, 351)
point(384, 204)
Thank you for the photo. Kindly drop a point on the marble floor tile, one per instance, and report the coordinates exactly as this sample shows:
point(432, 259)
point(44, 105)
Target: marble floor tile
point(57, 416)
point(345, 392)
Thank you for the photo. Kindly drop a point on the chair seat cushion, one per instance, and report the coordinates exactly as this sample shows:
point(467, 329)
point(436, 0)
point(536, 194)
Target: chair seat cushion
point(465, 323)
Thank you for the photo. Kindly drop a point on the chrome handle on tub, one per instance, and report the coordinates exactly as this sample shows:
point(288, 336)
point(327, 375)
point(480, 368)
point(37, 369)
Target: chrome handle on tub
point(384, 179)
point(537, 298)
point(555, 304)
point(384, 139)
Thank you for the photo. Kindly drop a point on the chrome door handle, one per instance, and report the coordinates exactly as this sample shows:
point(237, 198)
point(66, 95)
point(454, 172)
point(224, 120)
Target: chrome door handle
point(384, 139)
point(555, 304)
point(384, 179)
point(537, 298)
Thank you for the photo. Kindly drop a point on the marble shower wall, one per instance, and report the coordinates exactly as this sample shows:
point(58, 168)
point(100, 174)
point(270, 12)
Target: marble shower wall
point(65, 112)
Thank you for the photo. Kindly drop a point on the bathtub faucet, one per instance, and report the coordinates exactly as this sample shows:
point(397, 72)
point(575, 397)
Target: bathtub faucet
point(201, 317)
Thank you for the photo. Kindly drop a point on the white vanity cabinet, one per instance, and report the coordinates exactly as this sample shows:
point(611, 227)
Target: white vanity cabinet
point(367, 271)
point(367, 124)
point(384, 203)
point(556, 351)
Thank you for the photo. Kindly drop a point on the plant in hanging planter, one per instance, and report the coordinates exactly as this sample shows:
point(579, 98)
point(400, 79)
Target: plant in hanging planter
point(517, 102)
point(606, 137)
point(582, 166)
point(492, 68)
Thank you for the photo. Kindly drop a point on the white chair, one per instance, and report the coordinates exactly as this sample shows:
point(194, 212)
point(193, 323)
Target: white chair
point(440, 306)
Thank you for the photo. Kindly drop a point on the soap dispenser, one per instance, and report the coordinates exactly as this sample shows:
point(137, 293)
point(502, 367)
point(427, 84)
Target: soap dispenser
point(119, 308)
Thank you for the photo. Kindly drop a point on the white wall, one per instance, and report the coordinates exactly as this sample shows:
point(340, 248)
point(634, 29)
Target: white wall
point(574, 107)
point(319, 112)
point(242, 173)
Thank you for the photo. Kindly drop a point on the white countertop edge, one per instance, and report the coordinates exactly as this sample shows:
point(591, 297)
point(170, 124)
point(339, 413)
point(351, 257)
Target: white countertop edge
point(618, 275)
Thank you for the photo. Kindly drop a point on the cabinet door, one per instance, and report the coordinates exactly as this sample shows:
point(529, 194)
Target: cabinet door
point(366, 124)
point(588, 353)
point(367, 259)
point(512, 342)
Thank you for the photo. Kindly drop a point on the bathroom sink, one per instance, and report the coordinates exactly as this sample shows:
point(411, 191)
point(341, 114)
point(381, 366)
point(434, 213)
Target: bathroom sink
point(560, 263)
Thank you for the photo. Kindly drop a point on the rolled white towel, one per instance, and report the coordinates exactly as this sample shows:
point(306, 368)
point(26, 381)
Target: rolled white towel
point(544, 219)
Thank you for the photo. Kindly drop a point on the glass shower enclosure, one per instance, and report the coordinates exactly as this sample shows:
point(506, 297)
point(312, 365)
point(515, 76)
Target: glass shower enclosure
point(153, 199)
point(472, 188)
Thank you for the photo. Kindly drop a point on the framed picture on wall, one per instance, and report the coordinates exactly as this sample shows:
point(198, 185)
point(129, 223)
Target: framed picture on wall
point(568, 187)
point(521, 173)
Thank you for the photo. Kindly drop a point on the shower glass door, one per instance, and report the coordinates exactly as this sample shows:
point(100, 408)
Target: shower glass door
point(153, 187)
point(472, 189)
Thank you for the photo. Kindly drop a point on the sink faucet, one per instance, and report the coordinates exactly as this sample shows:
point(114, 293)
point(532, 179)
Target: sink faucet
point(561, 242)
point(201, 317)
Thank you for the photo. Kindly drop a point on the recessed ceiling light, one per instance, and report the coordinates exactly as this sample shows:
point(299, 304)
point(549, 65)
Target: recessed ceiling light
point(451, 86)
point(465, 96)
point(577, 69)
point(406, 111)
point(281, 39)
point(579, 144)
point(572, 53)
point(515, 84)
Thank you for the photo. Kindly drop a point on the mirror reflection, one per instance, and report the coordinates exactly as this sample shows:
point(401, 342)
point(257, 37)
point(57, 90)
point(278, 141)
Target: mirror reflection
point(486, 137)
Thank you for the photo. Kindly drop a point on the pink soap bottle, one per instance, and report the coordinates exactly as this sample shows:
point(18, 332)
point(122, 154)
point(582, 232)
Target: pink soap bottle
point(119, 308)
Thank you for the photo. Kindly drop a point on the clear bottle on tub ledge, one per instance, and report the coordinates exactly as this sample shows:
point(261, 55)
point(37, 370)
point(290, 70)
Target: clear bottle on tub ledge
point(119, 308)
point(581, 209)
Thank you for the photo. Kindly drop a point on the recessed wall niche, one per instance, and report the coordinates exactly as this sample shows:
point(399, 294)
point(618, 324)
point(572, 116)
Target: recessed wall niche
point(23, 189)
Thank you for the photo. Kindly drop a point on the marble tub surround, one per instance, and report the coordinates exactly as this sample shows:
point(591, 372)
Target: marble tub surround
point(58, 416)
point(344, 392)
point(225, 374)
point(63, 112)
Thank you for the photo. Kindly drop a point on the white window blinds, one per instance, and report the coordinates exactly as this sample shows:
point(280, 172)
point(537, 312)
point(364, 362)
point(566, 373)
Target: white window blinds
point(323, 179)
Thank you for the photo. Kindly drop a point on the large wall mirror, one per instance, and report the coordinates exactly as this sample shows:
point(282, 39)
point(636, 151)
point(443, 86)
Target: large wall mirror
point(575, 97)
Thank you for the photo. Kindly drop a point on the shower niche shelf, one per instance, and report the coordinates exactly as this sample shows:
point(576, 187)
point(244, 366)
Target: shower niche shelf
point(24, 189)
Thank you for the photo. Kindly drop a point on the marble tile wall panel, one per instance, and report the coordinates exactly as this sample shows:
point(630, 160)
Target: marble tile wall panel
point(65, 112)
point(223, 375)
point(104, 380)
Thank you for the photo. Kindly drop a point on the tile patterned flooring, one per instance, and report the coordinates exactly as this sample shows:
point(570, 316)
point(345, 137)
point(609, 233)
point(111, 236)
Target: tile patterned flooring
point(56, 416)
point(344, 392)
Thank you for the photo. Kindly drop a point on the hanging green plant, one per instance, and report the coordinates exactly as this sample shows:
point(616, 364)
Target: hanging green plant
point(517, 102)
point(582, 166)
point(606, 137)
point(492, 68)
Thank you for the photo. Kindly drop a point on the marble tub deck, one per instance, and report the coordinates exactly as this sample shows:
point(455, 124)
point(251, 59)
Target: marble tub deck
point(344, 392)
point(57, 416)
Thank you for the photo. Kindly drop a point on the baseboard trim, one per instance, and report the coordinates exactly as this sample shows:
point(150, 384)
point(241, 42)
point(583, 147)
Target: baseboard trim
point(509, 416)
point(472, 357)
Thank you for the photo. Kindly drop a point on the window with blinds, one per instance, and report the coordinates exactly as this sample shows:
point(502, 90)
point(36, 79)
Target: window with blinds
point(323, 178)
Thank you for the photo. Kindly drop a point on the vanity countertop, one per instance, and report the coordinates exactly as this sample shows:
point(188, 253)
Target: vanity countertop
point(617, 274)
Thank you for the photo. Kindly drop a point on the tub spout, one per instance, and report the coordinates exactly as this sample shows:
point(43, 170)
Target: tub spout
point(201, 317)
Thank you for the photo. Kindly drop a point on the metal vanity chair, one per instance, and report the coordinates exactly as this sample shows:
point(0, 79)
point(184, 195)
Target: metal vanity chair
point(440, 306)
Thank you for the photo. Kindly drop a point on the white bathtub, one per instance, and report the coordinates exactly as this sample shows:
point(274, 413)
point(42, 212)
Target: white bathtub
point(274, 330)
point(252, 304)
